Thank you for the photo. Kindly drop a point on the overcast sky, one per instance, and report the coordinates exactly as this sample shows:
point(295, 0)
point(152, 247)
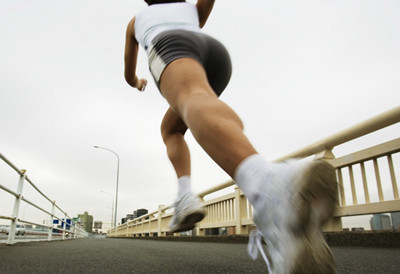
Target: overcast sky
point(302, 71)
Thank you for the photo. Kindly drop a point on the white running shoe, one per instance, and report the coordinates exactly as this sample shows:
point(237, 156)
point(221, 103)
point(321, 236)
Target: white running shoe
point(188, 212)
point(295, 201)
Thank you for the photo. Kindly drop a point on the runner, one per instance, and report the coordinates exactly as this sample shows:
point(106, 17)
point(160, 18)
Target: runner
point(291, 200)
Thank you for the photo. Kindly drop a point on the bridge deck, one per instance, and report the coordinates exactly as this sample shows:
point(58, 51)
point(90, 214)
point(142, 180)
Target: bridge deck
point(147, 256)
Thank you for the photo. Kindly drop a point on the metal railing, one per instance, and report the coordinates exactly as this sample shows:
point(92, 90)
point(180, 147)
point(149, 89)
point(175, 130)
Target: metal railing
point(234, 211)
point(54, 212)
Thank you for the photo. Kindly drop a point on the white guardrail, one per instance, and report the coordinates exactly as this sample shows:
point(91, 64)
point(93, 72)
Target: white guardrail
point(55, 214)
point(354, 171)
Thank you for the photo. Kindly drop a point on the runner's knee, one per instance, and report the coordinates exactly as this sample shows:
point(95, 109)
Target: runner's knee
point(172, 126)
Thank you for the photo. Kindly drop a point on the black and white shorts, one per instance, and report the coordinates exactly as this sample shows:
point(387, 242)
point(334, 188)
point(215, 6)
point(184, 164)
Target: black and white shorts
point(171, 45)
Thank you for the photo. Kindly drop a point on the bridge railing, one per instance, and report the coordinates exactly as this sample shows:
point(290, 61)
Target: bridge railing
point(53, 212)
point(354, 171)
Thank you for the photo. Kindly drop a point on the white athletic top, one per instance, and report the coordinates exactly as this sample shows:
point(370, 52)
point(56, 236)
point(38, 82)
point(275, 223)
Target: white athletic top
point(158, 18)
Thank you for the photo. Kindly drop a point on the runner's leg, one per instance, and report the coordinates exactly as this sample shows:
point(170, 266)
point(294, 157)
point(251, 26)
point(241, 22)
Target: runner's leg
point(214, 125)
point(172, 131)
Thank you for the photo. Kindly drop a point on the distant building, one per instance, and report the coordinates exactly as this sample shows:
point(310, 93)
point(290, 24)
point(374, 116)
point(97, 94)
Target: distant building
point(395, 220)
point(87, 221)
point(357, 229)
point(98, 225)
point(127, 218)
point(139, 212)
point(380, 222)
point(136, 214)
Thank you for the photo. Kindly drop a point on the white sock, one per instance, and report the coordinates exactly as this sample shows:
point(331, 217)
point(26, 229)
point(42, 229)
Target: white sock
point(250, 173)
point(184, 186)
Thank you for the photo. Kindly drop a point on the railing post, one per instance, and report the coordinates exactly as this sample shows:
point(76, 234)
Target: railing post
point(50, 234)
point(64, 226)
point(198, 230)
point(159, 220)
point(78, 231)
point(71, 229)
point(335, 223)
point(324, 155)
point(17, 204)
point(238, 215)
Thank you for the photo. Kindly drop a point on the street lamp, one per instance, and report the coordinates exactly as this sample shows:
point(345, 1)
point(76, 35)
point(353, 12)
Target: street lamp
point(116, 191)
point(112, 206)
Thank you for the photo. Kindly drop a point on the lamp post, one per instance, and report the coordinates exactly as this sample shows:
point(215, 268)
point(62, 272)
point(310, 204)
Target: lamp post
point(112, 206)
point(116, 191)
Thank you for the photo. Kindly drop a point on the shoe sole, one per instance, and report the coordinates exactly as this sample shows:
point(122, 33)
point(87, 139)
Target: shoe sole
point(314, 256)
point(315, 202)
point(317, 193)
point(189, 221)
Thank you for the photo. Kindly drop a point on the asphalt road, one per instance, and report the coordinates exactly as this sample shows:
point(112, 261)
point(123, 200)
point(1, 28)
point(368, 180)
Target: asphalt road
point(147, 256)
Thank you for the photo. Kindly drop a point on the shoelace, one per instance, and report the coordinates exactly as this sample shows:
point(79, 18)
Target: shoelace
point(255, 246)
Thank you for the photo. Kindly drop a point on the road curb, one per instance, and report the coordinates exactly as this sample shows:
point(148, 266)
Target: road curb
point(349, 239)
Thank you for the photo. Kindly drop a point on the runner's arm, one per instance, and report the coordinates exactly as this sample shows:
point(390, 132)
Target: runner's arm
point(131, 53)
point(204, 8)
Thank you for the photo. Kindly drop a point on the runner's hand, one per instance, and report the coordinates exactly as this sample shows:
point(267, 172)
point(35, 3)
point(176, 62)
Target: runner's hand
point(141, 84)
